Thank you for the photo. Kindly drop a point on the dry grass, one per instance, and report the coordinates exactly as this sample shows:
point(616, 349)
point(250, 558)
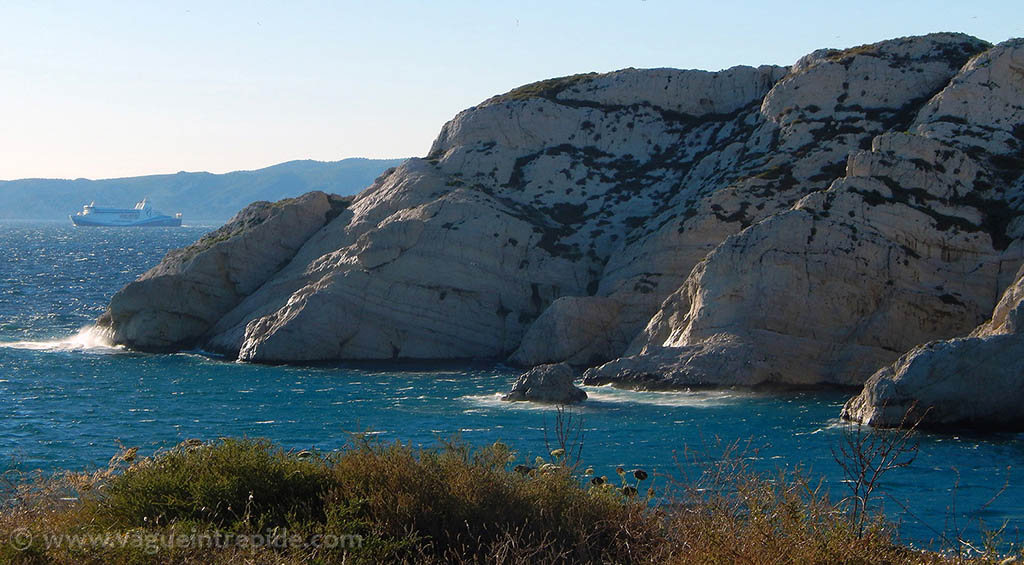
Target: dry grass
point(731, 514)
point(452, 504)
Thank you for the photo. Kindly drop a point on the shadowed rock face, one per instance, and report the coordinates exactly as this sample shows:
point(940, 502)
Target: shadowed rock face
point(973, 382)
point(794, 225)
point(576, 329)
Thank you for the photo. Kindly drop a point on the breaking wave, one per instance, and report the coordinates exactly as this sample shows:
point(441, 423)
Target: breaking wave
point(606, 395)
point(690, 399)
point(91, 339)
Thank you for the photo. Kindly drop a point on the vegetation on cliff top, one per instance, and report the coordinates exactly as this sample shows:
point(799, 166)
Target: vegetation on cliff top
point(549, 88)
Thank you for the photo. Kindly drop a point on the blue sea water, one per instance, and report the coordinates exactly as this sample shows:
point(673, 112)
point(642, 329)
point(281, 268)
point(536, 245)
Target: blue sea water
point(67, 401)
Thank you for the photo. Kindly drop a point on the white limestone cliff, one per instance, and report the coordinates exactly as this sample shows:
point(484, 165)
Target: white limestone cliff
point(914, 243)
point(802, 225)
point(175, 303)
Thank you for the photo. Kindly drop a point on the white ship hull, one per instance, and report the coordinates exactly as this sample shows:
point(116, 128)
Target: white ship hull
point(141, 216)
point(162, 221)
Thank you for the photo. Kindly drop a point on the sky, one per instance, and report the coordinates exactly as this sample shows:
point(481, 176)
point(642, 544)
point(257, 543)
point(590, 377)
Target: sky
point(112, 89)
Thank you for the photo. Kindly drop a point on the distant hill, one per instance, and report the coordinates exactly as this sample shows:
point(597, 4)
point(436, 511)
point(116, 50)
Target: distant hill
point(200, 197)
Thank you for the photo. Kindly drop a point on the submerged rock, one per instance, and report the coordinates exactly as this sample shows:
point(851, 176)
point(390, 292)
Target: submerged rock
point(547, 383)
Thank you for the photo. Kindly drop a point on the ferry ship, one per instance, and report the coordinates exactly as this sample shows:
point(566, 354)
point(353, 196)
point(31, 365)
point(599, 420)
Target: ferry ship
point(141, 215)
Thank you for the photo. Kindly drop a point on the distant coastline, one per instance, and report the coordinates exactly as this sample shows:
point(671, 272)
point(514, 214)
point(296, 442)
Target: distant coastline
point(201, 197)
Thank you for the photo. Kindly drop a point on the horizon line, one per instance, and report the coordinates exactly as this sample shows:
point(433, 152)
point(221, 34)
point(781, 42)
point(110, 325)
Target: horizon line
point(182, 171)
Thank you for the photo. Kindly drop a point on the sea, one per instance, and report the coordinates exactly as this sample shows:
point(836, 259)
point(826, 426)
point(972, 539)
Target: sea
point(69, 401)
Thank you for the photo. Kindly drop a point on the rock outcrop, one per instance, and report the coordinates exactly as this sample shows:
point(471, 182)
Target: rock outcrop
point(552, 384)
point(915, 242)
point(972, 382)
point(799, 225)
point(175, 303)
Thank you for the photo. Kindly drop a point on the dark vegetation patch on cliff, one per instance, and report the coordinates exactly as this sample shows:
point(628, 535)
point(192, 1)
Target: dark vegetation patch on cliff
point(549, 88)
point(996, 213)
point(954, 54)
point(250, 217)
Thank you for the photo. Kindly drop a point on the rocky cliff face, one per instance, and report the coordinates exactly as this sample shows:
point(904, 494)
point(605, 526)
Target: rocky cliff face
point(173, 305)
point(790, 225)
point(914, 242)
point(975, 381)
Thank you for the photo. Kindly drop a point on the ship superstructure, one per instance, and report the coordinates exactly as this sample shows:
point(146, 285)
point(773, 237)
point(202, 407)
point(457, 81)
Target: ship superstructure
point(141, 215)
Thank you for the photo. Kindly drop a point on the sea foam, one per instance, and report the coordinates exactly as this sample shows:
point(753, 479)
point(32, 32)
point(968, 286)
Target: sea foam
point(91, 339)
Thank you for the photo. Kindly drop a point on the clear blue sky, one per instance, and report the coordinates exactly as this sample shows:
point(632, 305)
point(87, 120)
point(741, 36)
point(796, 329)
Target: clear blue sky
point(97, 89)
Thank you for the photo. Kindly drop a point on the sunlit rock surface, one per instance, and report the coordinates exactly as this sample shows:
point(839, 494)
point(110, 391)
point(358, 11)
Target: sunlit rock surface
point(803, 225)
point(915, 242)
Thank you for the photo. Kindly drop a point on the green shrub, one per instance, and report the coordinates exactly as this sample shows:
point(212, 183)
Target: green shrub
point(544, 89)
point(234, 485)
point(450, 504)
